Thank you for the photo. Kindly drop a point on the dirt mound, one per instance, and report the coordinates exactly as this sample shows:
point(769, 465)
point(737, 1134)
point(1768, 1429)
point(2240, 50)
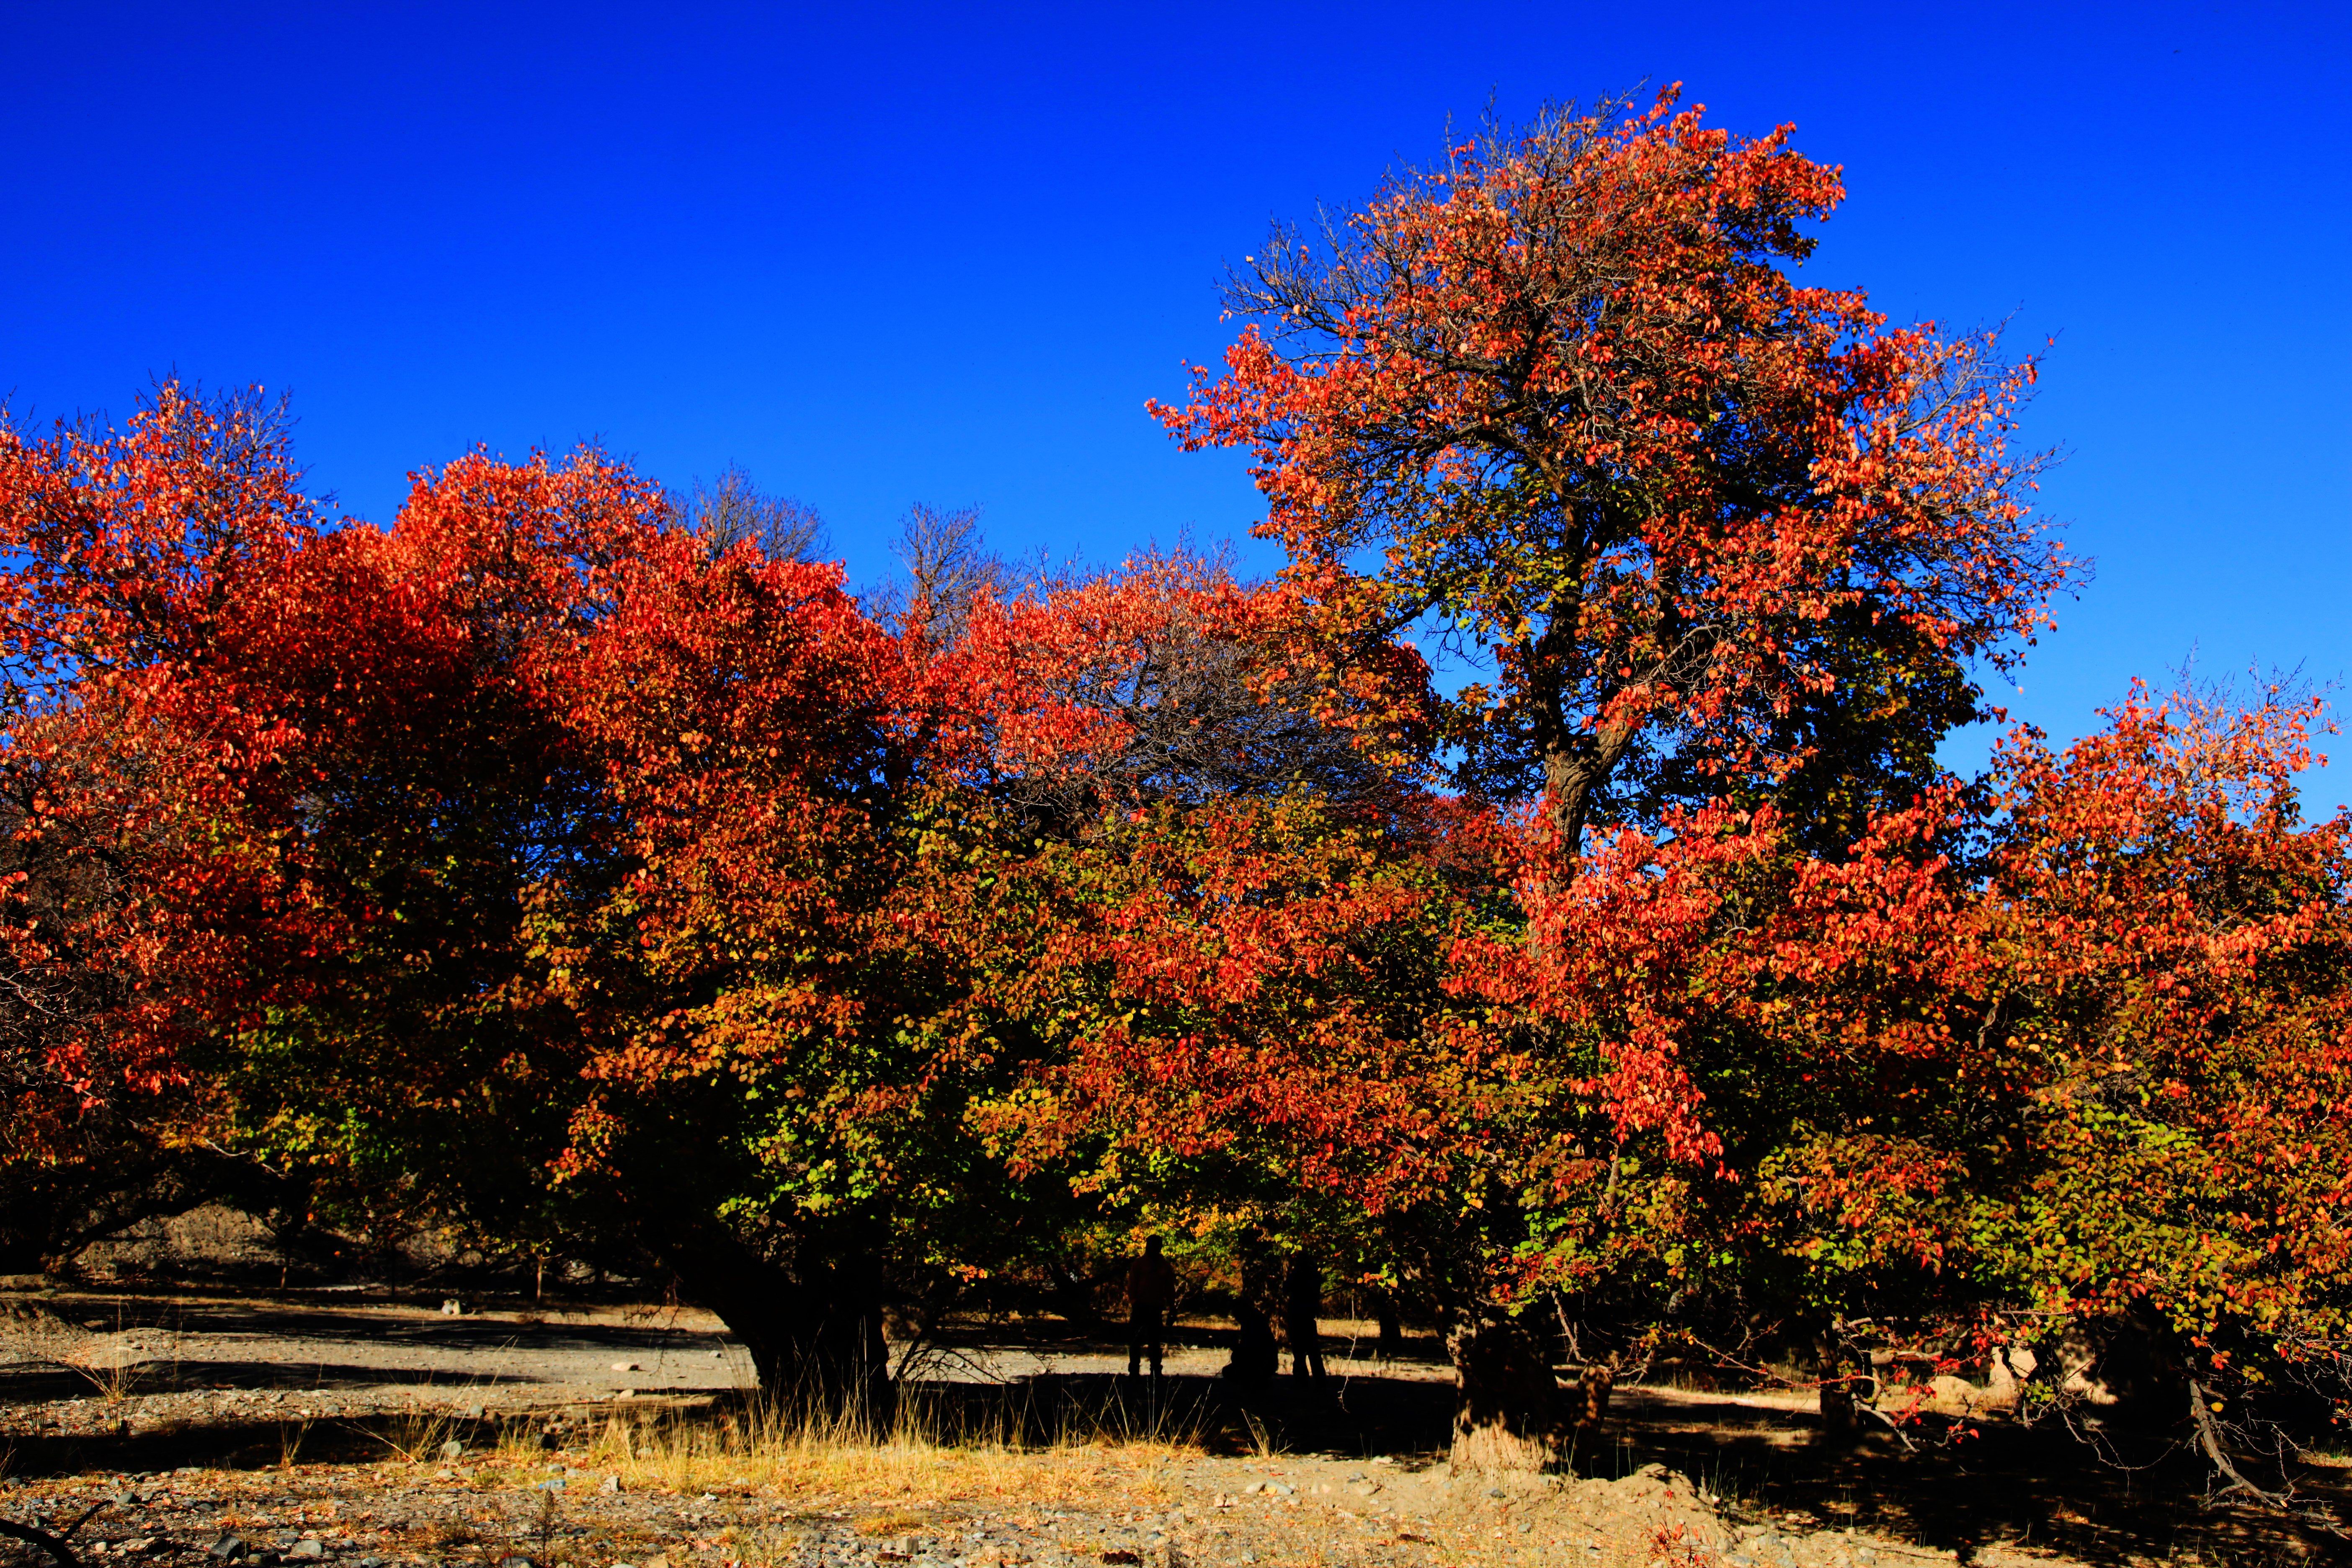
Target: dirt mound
point(1653, 1514)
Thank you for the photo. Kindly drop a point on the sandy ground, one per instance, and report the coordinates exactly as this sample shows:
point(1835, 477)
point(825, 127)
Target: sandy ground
point(145, 1360)
point(384, 1435)
point(93, 1362)
point(1112, 1506)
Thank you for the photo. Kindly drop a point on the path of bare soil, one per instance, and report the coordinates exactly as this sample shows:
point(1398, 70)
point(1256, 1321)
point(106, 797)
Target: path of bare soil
point(381, 1433)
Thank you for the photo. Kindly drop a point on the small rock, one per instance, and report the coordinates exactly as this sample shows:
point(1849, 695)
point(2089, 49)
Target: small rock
point(611, 1486)
point(514, 1562)
point(1496, 1491)
point(1282, 1488)
point(453, 1449)
point(474, 1411)
point(452, 1308)
point(626, 1394)
point(308, 1551)
point(626, 1367)
point(229, 1549)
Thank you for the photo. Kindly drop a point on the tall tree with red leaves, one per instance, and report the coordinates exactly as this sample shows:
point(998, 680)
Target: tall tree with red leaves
point(1728, 548)
point(1560, 402)
point(130, 557)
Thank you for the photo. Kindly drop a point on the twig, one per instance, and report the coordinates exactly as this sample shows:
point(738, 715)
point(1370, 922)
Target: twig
point(54, 1544)
point(1893, 1426)
point(2209, 1440)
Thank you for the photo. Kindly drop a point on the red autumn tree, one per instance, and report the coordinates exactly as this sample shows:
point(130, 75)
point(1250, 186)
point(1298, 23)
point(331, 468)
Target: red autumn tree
point(609, 821)
point(1559, 400)
point(753, 1095)
point(131, 555)
point(2067, 1064)
point(2174, 986)
point(1714, 535)
point(458, 873)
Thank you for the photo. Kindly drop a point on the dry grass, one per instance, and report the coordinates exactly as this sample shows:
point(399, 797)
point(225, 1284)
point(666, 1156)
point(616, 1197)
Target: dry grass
point(416, 1434)
point(917, 1463)
point(112, 1361)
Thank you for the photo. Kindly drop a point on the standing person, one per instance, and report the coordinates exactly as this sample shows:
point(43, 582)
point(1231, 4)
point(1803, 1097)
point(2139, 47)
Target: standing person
point(1150, 1289)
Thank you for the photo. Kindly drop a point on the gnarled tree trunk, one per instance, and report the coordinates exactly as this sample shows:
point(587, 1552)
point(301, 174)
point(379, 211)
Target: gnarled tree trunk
point(1594, 1384)
point(1841, 1415)
point(1507, 1413)
point(813, 1329)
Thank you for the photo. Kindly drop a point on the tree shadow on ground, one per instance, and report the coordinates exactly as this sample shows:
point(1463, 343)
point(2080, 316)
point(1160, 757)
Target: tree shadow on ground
point(1961, 1488)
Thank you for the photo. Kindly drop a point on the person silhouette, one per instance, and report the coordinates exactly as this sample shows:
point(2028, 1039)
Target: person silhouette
point(1255, 1355)
point(1150, 1289)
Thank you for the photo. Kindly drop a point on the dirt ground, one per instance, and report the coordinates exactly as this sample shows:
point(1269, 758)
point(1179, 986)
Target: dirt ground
point(326, 1426)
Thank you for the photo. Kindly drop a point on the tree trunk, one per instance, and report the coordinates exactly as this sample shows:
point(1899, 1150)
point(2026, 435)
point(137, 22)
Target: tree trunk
point(1255, 1356)
point(1507, 1413)
point(22, 1254)
point(1840, 1415)
point(1384, 1312)
point(1302, 1309)
point(1577, 764)
point(1595, 1385)
point(813, 1331)
point(1074, 1297)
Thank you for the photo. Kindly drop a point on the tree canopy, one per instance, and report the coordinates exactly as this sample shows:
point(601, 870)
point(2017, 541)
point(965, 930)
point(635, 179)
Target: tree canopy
point(591, 872)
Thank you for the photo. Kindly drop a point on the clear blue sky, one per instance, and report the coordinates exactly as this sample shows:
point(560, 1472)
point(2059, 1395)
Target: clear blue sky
point(884, 253)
